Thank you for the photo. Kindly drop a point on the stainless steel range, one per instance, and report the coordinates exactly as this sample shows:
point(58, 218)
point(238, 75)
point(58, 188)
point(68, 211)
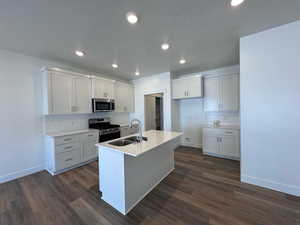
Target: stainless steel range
point(107, 131)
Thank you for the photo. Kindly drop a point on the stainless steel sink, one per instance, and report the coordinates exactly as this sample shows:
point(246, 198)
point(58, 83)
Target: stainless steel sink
point(135, 138)
point(122, 142)
point(126, 141)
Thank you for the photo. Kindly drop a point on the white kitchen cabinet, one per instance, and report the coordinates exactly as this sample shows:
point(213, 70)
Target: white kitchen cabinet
point(221, 94)
point(70, 151)
point(124, 97)
point(82, 95)
point(103, 88)
point(211, 94)
point(66, 92)
point(223, 143)
point(61, 90)
point(187, 87)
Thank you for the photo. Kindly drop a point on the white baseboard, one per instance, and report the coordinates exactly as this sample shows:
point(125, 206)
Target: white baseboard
point(53, 173)
point(189, 144)
point(21, 173)
point(285, 188)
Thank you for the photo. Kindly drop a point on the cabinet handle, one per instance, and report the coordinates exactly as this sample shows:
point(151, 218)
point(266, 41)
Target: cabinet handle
point(229, 132)
point(69, 159)
point(67, 139)
point(90, 135)
point(69, 147)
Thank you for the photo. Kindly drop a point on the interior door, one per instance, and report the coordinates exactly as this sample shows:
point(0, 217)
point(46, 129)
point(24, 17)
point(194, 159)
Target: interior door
point(211, 144)
point(82, 94)
point(150, 113)
point(211, 94)
point(229, 92)
point(61, 90)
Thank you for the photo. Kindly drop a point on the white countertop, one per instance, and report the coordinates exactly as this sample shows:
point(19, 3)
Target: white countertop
point(65, 133)
point(227, 126)
point(155, 139)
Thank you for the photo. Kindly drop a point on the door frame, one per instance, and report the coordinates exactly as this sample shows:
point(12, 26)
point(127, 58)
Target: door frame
point(158, 91)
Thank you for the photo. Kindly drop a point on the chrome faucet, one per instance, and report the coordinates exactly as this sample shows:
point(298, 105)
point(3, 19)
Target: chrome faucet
point(140, 137)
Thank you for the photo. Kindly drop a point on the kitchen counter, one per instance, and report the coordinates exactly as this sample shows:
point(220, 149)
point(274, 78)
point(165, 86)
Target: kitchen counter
point(128, 173)
point(155, 139)
point(66, 133)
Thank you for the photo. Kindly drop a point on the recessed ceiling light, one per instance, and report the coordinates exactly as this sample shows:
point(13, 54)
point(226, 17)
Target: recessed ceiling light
point(137, 73)
point(235, 3)
point(182, 61)
point(79, 53)
point(115, 65)
point(165, 46)
point(132, 18)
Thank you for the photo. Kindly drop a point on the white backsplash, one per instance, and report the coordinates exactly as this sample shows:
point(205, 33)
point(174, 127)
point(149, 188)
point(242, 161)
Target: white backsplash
point(58, 123)
point(230, 118)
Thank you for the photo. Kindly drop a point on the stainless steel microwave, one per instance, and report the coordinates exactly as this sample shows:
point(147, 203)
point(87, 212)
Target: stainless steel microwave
point(103, 105)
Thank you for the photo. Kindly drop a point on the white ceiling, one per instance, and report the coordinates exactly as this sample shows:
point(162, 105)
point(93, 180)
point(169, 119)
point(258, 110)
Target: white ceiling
point(205, 32)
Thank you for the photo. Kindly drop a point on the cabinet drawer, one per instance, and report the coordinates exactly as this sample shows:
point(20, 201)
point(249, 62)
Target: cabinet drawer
point(90, 137)
point(67, 147)
point(66, 139)
point(219, 132)
point(67, 159)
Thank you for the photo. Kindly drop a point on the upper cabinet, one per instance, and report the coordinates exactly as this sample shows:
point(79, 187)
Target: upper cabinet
point(124, 97)
point(221, 94)
point(66, 93)
point(187, 87)
point(103, 88)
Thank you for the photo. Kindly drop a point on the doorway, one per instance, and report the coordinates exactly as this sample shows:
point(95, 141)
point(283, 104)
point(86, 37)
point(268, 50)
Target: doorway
point(154, 114)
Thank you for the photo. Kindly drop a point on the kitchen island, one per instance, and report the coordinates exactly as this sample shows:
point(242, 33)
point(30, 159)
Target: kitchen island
point(128, 173)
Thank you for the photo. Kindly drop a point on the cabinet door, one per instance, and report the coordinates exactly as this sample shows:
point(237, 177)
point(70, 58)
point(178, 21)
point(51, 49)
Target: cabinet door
point(89, 151)
point(82, 95)
point(211, 94)
point(193, 87)
point(97, 88)
point(108, 89)
point(211, 144)
point(103, 88)
point(124, 97)
point(229, 146)
point(61, 93)
point(179, 89)
point(229, 87)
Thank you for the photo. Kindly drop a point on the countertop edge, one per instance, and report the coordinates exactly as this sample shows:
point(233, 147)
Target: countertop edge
point(67, 133)
point(115, 148)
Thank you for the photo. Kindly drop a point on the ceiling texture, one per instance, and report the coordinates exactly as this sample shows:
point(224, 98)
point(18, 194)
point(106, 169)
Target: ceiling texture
point(205, 32)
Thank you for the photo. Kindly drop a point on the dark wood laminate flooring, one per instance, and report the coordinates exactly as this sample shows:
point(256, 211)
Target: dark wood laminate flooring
point(201, 190)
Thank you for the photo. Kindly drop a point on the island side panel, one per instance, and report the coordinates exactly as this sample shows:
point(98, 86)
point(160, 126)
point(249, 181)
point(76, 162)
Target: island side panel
point(111, 178)
point(144, 172)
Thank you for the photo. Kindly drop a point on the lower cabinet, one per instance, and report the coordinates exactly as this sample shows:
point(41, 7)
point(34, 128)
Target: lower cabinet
point(89, 151)
point(224, 143)
point(68, 151)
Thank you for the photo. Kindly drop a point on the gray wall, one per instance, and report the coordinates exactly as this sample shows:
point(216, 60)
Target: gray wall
point(270, 91)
